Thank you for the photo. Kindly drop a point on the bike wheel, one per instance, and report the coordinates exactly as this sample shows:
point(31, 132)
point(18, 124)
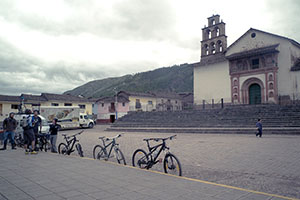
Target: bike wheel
point(120, 157)
point(172, 165)
point(99, 153)
point(63, 149)
point(79, 150)
point(47, 146)
point(140, 159)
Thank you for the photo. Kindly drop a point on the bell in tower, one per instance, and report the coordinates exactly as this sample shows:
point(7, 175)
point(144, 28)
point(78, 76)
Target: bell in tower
point(214, 40)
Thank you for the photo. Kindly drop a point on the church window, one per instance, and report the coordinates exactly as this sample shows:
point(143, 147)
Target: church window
point(220, 46)
point(213, 22)
point(271, 86)
point(217, 31)
point(255, 63)
point(205, 49)
point(235, 97)
point(213, 47)
point(208, 34)
point(253, 35)
point(235, 90)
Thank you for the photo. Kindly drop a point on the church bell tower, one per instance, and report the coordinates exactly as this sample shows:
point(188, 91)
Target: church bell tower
point(214, 40)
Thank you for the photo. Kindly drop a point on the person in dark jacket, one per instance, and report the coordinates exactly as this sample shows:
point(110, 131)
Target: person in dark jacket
point(259, 128)
point(9, 127)
point(54, 127)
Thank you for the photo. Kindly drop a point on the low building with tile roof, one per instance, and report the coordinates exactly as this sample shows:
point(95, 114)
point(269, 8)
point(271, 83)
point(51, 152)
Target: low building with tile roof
point(8, 104)
point(34, 102)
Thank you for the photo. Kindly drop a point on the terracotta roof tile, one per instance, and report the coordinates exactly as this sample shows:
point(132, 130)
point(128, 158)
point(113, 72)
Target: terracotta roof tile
point(9, 98)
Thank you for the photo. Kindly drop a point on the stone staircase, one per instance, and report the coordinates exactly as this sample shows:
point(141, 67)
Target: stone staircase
point(276, 119)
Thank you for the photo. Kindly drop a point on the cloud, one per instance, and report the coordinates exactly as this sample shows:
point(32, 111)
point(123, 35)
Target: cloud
point(127, 19)
point(23, 73)
point(285, 17)
point(56, 45)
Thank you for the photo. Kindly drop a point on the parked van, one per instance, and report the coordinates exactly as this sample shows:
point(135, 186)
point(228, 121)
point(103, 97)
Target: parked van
point(68, 116)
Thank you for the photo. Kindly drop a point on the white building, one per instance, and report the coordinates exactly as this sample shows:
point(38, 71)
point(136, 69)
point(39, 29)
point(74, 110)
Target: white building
point(259, 67)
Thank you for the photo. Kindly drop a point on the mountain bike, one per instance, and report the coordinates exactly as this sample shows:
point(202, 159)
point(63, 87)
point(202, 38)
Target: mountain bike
point(101, 152)
point(67, 149)
point(145, 160)
point(43, 142)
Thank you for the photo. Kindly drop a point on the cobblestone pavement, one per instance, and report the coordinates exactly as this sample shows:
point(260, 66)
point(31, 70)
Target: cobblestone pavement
point(49, 176)
point(269, 164)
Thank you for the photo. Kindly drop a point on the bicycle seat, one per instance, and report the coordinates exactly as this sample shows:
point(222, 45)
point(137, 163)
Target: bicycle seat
point(64, 134)
point(101, 137)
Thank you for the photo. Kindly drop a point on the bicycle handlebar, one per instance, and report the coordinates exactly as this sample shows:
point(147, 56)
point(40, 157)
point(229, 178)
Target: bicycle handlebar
point(107, 138)
point(157, 139)
point(65, 135)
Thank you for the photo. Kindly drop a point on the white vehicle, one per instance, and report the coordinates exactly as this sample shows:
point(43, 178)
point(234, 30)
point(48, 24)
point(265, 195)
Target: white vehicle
point(19, 129)
point(68, 116)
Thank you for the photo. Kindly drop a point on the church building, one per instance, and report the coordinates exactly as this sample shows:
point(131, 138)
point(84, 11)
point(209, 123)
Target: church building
point(259, 67)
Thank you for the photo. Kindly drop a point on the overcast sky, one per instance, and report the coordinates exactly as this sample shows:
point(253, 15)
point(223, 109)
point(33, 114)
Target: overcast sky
point(56, 45)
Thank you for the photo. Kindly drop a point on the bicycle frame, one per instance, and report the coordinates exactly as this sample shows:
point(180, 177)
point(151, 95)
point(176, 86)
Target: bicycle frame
point(70, 143)
point(112, 143)
point(152, 149)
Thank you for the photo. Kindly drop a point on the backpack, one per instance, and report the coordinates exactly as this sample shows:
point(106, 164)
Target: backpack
point(26, 122)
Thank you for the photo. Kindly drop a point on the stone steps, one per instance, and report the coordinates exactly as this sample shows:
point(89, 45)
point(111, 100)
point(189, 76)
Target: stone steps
point(234, 117)
point(223, 130)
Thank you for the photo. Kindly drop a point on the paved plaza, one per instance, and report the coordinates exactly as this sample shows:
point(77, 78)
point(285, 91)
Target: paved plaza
point(268, 165)
point(52, 177)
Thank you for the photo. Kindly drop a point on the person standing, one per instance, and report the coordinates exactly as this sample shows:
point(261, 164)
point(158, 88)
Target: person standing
point(259, 128)
point(28, 132)
point(54, 127)
point(9, 126)
point(37, 126)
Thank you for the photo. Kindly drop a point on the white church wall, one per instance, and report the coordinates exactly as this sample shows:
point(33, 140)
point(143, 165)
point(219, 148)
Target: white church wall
point(247, 42)
point(295, 75)
point(212, 82)
point(284, 66)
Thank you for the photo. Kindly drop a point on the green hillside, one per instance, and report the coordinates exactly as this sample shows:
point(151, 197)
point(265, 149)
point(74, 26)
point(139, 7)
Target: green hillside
point(178, 78)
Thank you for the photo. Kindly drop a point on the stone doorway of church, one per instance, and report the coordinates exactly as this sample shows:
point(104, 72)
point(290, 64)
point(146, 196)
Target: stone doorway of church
point(255, 94)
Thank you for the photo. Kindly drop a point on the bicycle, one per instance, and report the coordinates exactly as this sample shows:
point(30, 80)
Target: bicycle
point(100, 152)
point(43, 142)
point(145, 160)
point(19, 141)
point(67, 149)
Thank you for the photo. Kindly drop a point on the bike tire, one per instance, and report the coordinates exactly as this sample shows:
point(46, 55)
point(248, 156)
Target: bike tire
point(99, 153)
point(47, 146)
point(172, 165)
point(79, 149)
point(63, 149)
point(120, 157)
point(140, 159)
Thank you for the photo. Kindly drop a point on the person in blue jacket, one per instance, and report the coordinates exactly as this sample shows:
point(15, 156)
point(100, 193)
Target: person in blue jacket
point(259, 128)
